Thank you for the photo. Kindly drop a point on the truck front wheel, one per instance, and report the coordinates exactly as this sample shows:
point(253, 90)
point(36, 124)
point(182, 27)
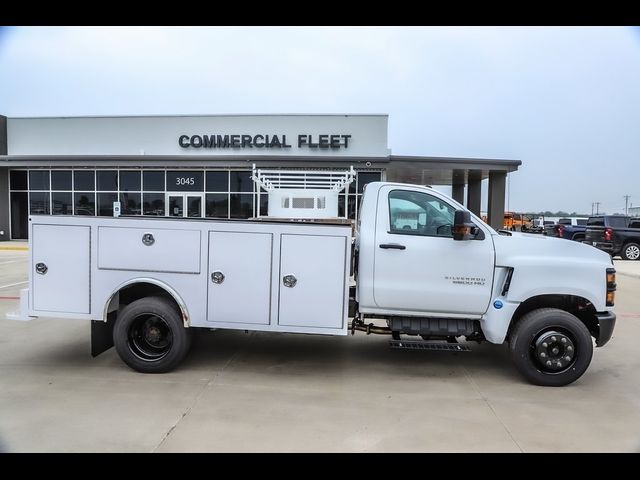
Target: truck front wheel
point(551, 347)
point(149, 335)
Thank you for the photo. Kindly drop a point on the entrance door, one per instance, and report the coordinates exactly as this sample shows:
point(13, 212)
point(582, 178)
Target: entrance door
point(185, 205)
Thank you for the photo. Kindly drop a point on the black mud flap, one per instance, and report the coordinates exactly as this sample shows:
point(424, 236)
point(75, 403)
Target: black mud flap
point(102, 335)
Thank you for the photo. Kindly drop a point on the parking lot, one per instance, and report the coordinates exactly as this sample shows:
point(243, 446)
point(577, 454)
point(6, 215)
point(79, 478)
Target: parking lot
point(289, 393)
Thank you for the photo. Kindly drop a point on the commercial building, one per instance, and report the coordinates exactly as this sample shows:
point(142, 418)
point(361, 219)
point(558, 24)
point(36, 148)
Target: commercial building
point(200, 166)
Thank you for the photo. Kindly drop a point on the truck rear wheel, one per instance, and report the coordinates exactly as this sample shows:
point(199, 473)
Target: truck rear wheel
point(551, 347)
point(149, 335)
point(631, 251)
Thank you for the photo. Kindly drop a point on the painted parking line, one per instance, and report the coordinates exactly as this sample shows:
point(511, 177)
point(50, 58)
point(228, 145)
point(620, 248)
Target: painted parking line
point(13, 284)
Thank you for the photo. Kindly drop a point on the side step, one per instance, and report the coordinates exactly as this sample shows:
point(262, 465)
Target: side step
point(422, 345)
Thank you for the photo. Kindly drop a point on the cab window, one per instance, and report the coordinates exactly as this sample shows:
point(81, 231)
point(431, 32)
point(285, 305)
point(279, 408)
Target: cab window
point(417, 213)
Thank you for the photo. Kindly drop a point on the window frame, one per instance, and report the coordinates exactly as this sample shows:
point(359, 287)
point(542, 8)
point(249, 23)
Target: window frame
point(393, 231)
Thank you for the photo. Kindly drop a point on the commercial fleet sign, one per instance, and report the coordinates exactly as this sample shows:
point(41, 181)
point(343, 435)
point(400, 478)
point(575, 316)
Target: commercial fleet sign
point(264, 141)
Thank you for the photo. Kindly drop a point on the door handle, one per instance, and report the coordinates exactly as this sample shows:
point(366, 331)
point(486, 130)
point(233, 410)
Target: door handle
point(217, 277)
point(289, 281)
point(395, 246)
point(41, 268)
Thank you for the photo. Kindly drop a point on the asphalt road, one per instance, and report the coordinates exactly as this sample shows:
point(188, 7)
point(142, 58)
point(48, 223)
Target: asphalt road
point(288, 393)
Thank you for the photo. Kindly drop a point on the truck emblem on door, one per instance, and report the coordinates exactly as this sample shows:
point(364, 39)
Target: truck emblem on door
point(465, 280)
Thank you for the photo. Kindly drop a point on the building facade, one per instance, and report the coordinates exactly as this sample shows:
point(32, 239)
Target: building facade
point(200, 166)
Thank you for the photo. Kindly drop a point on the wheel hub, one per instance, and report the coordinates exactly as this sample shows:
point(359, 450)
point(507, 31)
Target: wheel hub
point(632, 252)
point(554, 351)
point(149, 337)
point(153, 334)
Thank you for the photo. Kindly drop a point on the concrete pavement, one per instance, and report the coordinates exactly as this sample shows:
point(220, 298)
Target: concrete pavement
point(270, 392)
point(629, 268)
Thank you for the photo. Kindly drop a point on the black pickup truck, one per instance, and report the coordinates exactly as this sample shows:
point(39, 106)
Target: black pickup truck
point(615, 234)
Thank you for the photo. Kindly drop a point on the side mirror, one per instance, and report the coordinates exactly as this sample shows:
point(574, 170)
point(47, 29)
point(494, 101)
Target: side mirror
point(462, 225)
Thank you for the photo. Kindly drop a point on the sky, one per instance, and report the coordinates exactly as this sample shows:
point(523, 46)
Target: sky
point(563, 100)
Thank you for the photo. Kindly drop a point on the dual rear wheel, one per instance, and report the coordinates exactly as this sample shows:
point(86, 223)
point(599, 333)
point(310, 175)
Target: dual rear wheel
point(149, 335)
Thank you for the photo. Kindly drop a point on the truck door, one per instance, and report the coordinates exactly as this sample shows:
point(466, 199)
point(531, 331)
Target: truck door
point(61, 268)
point(418, 265)
point(239, 277)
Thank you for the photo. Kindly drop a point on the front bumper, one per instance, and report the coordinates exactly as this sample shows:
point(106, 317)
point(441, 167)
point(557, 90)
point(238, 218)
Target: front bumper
point(606, 322)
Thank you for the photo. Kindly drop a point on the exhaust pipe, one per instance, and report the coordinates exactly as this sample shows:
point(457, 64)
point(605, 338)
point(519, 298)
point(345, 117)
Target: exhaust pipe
point(369, 328)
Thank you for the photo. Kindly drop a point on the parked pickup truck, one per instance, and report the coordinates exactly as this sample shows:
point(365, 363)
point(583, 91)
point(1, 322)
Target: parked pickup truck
point(147, 283)
point(569, 228)
point(615, 234)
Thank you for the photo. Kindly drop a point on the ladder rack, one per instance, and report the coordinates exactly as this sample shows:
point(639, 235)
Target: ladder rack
point(302, 193)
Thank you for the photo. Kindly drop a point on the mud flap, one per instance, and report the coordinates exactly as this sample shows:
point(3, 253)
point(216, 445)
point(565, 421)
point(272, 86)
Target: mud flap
point(102, 335)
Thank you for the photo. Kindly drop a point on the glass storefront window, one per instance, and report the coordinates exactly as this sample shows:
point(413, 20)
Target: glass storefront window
point(61, 180)
point(39, 180)
point(241, 205)
point(366, 177)
point(39, 203)
point(153, 204)
point(264, 205)
point(229, 194)
point(240, 182)
point(153, 181)
point(130, 204)
point(61, 203)
point(129, 181)
point(85, 203)
point(18, 180)
point(217, 181)
point(351, 206)
point(217, 205)
point(84, 180)
point(19, 214)
point(185, 181)
point(105, 204)
point(107, 180)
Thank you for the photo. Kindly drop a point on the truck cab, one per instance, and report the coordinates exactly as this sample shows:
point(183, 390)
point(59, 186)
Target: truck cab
point(486, 286)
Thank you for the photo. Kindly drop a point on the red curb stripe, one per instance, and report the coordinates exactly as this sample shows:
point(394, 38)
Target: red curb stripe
point(9, 298)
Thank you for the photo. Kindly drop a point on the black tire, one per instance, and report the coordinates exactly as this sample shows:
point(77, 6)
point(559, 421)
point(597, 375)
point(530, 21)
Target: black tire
point(631, 251)
point(578, 238)
point(551, 347)
point(149, 335)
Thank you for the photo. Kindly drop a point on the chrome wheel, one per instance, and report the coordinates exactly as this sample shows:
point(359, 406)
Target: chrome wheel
point(632, 252)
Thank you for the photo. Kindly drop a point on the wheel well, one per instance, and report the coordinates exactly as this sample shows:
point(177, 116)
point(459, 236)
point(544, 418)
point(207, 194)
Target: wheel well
point(135, 291)
point(582, 308)
point(631, 240)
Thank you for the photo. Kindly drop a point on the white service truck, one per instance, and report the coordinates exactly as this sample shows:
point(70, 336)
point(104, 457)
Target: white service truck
point(447, 276)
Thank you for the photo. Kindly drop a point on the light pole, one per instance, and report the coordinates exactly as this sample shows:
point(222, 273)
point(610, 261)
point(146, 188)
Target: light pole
point(626, 204)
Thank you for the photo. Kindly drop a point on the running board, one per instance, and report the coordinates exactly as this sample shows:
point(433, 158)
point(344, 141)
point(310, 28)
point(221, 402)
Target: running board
point(420, 345)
